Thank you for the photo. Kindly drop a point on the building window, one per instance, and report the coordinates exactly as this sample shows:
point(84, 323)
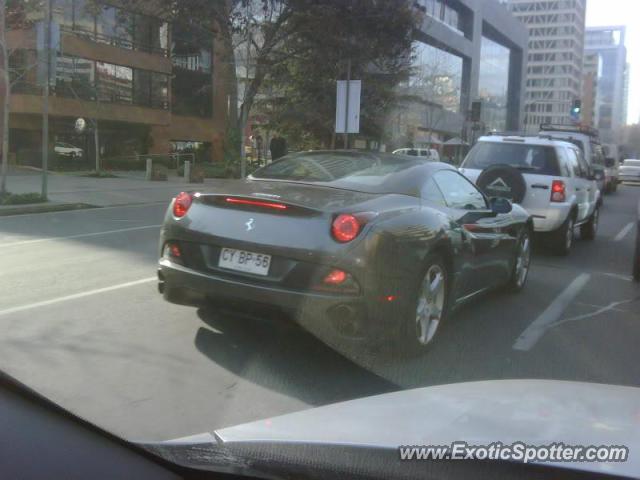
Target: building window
point(159, 91)
point(112, 25)
point(84, 79)
point(75, 78)
point(436, 76)
point(115, 27)
point(115, 83)
point(191, 55)
point(141, 87)
point(494, 84)
point(445, 12)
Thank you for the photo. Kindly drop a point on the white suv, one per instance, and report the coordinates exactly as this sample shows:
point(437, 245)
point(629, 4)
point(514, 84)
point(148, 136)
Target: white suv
point(549, 178)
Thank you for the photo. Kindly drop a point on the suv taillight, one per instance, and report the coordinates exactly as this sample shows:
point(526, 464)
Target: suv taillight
point(558, 191)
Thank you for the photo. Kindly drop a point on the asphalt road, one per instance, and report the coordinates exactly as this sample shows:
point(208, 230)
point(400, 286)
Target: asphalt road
point(82, 323)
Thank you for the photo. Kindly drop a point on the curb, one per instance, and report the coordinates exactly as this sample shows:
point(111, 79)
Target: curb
point(41, 208)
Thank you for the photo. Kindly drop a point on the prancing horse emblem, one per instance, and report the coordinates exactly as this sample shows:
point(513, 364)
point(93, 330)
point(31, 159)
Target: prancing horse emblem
point(249, 225)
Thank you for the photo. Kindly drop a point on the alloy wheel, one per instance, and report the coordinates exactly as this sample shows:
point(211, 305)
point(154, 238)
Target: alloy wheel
point(523, 260)
point(430, 304)
point(569, 234)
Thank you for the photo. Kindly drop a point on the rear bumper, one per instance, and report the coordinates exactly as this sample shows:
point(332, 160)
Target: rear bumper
point(331, 317)
point(550, 218)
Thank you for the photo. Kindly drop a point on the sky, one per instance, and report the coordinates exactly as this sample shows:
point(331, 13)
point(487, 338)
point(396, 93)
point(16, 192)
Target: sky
point(622, 12)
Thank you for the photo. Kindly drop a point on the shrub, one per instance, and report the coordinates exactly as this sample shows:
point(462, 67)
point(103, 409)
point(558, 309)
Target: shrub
point(21, 198)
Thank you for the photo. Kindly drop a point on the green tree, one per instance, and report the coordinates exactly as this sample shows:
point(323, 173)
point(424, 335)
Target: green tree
point(300, 90)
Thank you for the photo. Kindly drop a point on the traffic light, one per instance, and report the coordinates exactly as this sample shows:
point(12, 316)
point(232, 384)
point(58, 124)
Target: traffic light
point(575, 109)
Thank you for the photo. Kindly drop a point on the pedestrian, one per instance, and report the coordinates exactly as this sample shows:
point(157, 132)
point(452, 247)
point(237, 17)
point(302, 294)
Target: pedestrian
point(278, 147)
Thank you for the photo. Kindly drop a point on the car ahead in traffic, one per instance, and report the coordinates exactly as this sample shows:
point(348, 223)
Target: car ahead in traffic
point(363, 247)
point(549, 178)
point(586, 139)
point(612, 167)
point(428, 153)
point(630, 171)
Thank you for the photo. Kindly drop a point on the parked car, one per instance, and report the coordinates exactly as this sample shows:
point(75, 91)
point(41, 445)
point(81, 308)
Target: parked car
point(549, 178)
point(68, 150)
point(429, 153)
point(586, 139)
point(372, 248)
point(630, 171)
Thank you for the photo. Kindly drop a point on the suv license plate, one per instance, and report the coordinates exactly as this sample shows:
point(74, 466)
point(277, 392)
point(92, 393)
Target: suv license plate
point(243, 261)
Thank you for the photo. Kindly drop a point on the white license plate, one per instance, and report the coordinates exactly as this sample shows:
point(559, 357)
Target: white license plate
point(243, 261)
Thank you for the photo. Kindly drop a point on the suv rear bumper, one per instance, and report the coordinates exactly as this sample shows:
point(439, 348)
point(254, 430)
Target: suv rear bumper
point(551, 217)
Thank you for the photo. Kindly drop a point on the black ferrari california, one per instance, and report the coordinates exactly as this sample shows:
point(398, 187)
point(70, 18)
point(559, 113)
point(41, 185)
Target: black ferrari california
point(363, 247)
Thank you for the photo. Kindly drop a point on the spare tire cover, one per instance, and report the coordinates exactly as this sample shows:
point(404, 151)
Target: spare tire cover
point(503, 181)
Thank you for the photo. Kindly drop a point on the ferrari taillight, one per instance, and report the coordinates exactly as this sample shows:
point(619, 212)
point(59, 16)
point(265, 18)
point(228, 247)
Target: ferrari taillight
point(181, 204)
point(345, 228)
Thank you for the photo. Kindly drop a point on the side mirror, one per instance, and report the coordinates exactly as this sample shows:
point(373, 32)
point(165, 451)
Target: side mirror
point(500, 205)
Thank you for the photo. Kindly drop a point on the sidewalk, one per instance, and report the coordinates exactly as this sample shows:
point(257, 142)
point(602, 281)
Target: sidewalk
point(128, 188)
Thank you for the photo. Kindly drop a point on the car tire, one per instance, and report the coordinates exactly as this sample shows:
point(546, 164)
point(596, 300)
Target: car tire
point(521, 262)
point(428, 309)
point(589, 230)
point(562, 239)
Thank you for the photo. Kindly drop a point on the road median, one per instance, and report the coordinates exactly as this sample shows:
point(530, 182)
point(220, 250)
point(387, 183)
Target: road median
point(7, 210)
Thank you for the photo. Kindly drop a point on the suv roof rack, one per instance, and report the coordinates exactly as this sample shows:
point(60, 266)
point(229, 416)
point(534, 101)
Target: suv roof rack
point(555, 127)
point(545, 136)
point(508, 134)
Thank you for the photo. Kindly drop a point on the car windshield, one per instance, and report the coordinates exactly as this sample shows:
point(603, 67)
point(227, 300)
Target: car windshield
point(216, 213)
point(536, 159)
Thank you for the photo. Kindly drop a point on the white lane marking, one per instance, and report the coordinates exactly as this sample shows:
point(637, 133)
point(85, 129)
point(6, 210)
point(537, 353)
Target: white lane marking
point(624, 232)
point(81, 235)
point(619, 276)
point(75, 296)
point(534, 332)
point(600, 310)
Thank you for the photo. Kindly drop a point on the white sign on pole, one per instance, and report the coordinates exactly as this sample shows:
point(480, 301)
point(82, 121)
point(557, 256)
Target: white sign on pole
point(355, 87)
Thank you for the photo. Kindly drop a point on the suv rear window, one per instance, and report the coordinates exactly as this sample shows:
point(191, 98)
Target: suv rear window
point(537, 159)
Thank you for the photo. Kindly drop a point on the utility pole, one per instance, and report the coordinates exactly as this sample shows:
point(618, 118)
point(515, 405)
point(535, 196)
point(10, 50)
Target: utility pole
point(45, 96)
point(6, 82)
